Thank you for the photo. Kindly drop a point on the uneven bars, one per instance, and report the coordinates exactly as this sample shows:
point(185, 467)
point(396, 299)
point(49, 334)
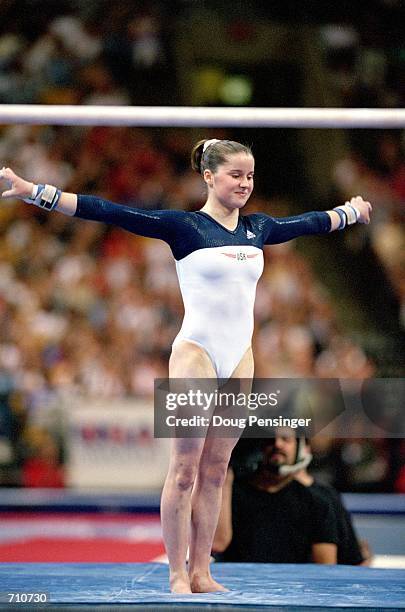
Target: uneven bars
point(196, 116)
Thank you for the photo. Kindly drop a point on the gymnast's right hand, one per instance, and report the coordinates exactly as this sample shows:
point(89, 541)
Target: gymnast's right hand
point(17, 187)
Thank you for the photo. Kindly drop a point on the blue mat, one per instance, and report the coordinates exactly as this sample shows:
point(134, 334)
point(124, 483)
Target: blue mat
point(252, 586)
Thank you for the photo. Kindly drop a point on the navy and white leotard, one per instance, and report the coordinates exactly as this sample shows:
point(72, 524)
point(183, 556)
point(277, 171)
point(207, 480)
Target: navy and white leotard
point(217, 268)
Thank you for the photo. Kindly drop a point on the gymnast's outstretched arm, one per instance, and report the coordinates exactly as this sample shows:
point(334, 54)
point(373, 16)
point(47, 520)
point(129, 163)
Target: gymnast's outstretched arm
point(162, 224)
point(282, 229)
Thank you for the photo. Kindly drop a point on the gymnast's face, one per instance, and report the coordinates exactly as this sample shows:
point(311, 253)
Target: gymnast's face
point(232, 182)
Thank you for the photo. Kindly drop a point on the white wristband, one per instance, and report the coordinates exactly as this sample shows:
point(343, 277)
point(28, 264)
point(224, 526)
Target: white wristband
point(352, 213)
point(44, 196)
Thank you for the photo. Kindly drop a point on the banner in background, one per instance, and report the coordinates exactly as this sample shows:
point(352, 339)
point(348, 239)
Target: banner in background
point(110, 444)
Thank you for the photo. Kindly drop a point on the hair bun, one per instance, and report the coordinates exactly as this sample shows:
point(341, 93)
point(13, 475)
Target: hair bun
point(196, 156)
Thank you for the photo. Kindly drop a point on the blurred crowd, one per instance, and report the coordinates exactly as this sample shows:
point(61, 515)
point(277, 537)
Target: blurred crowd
point(84, 53)
point(366, 68)
point(87, 309)
point(375, 167)
point(365, 56)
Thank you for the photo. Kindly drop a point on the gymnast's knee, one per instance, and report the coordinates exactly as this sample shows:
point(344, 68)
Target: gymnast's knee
point(214, 473)
point(184, 477)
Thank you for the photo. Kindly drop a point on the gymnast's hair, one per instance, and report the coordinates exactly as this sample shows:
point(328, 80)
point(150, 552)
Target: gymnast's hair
point(215, 154)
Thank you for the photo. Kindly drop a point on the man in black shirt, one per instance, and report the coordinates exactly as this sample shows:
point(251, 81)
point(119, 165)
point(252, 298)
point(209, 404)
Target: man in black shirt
point(268, 516)
point(351, 551)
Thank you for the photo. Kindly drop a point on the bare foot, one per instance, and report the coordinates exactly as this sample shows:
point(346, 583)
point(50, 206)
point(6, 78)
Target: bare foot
point(205, 584)
point(180, 584)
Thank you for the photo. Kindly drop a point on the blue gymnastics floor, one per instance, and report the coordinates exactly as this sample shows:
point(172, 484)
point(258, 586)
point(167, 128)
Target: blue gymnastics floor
point(252, 587)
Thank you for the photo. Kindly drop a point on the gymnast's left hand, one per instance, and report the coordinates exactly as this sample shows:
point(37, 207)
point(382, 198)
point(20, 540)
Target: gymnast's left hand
point(363, 207)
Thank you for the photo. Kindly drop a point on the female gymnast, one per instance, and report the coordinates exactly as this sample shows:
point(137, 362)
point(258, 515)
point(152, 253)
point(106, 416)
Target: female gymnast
point(219, 259)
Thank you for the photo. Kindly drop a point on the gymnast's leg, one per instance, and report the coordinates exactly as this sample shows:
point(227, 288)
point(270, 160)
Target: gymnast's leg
point(206, 504)
point(187, 361)
point(207, 495)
